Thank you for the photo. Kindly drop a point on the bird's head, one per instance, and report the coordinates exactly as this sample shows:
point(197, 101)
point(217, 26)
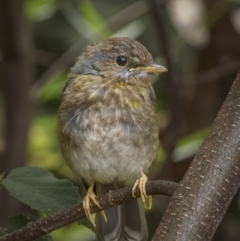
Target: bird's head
point(117, 59)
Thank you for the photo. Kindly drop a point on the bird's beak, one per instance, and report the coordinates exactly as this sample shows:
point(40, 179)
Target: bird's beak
point(151, 69)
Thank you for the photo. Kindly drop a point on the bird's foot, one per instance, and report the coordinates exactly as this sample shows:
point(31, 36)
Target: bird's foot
point(141, 184)
point(86, 204)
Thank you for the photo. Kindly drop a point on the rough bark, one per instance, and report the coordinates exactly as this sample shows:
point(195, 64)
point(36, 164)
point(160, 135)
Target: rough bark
point(204, 194)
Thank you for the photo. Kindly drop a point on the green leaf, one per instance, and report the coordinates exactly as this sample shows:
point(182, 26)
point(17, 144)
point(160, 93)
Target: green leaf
point(1, 177)
point(45, 238)
point(189, 145)
point(91, 15)
point(43, 146)
point(41, 190)
point(53, 88)
point(3, 231)
point(39, 9)
point(86, 222)
point(17, 222)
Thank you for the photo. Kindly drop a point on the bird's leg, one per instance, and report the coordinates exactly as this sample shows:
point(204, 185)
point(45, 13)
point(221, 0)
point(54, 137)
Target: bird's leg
point(141, 184)
point(86, 204)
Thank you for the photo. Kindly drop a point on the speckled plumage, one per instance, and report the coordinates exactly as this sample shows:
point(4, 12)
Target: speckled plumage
point(108, 128)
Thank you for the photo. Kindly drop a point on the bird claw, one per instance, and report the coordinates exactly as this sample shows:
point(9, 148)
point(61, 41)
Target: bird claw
point(141, 184)
point(86, 205)
point(104, 215)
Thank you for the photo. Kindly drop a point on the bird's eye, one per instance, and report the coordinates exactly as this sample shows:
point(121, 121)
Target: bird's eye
point(121, 60)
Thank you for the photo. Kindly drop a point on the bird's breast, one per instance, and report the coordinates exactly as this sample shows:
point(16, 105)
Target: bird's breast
point(110, 128)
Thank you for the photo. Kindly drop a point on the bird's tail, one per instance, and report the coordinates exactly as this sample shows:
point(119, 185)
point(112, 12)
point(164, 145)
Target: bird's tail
point(124, 222)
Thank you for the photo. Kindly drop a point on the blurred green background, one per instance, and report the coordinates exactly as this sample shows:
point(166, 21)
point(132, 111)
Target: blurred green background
point(197, 40)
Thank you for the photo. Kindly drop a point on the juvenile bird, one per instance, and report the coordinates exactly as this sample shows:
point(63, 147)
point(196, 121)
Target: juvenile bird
point(108, 129)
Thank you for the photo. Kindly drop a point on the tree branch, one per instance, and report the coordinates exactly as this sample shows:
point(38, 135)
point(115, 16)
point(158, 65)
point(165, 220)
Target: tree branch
point(16, 77)
point(204, 194)
point(46, 225)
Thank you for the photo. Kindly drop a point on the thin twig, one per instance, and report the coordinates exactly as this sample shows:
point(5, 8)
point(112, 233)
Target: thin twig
point(45, 225)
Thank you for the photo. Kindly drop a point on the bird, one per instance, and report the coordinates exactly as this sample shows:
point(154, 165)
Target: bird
point(108, 130)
